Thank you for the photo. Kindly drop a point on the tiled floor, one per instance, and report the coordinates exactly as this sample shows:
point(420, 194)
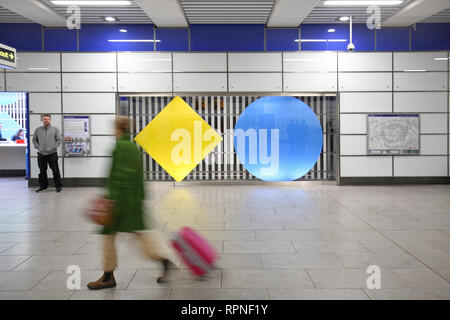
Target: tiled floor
point(305, 241)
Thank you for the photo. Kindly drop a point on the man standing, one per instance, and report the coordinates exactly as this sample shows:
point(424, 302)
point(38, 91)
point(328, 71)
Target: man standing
point(46, 140)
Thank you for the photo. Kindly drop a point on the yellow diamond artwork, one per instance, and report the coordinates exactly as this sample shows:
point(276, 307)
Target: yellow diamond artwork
point(178, 139)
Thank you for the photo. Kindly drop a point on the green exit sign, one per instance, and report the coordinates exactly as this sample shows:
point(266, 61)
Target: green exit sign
point(7, 57)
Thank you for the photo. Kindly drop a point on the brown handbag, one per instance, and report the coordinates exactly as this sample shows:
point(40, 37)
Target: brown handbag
point(101, 211)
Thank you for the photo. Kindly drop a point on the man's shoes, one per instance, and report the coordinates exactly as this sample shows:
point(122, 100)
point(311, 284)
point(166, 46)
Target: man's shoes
point(165, 277)
point(58, 189)
point(40, 189)
point(106, 281)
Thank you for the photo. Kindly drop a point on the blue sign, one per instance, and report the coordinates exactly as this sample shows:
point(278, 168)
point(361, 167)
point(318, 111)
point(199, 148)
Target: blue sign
point(278, 138)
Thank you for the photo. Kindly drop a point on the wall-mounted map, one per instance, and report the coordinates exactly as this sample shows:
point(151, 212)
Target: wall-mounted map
point(393, 134)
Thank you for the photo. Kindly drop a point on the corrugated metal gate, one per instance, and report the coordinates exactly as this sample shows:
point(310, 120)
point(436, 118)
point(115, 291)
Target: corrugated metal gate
point(221, 113)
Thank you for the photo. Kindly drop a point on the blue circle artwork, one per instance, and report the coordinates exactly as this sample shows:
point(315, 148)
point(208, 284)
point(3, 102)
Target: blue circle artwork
point(278, 138)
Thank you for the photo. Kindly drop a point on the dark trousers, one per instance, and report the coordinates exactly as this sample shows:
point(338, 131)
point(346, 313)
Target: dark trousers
point(52, 161)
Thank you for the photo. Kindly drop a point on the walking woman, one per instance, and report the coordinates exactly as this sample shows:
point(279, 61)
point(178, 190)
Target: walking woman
point(125, 186)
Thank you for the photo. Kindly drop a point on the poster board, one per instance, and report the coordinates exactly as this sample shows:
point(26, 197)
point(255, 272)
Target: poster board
point(389, 134)
point(77, 136)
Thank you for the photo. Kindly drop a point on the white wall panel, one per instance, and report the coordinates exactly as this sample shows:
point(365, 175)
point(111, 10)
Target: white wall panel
point(353, 145)
point(86, 167)
point(308, 82)
point(428, 166)
point(420, 81)
point(34, 168)
point(144, 62)
point(35, 121)
point(362, 61)
point(89, 62)
point(89, 103)
point(89, 82)
point(366, 166)
point(37, 62)
point(46, 82)
point(353, 124)
point(365, 102)
point(102, 145)
point(433, 144)
point(145, 82)
point(44, 102)
point(241, 62)
point(254, 81)
point(429, 61)
point(200, 82)
point(365, 81)
point(433, 123)
point(309, 61)
point(420, 102)
point(102, 124)
point(2, 81)
point(191, 62)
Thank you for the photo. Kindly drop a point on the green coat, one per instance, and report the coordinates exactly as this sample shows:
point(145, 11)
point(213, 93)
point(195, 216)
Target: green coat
point(125, 185)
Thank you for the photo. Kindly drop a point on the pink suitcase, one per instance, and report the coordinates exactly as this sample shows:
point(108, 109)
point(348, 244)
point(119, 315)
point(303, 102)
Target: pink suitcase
point(194, 251)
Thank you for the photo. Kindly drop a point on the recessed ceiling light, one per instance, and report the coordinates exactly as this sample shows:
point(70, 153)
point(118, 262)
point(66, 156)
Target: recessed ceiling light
point(331, 30)
point(139, 40)
point(90, 3)
point(110, 19)
point(123, 30)
point(363, 3)
point(344, 18)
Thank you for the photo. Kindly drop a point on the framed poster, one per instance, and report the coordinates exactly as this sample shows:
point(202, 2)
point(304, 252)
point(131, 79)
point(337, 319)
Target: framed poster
point(389, 134)
point(77, 136)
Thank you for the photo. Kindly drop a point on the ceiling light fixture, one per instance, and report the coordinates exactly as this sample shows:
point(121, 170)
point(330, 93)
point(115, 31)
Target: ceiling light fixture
point(123, 30)
point(91, 3)
point(321, 40)
point(331, 30)
point(110, 19)
point(140, 40)
point(413, 70)
point(363, 3)
point(344, 18)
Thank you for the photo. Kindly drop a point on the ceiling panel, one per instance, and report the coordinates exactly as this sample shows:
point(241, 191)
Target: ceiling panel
point(230, 12)
point(7, 16)
point(93, 14)
point(441, 17)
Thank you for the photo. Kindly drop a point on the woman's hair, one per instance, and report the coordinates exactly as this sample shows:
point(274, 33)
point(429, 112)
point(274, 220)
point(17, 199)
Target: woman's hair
point(123, 124)
point(20, 130)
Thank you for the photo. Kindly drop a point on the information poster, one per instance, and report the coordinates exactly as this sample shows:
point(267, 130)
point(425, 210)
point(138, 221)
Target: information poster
point(393, 134)
point(77, 137)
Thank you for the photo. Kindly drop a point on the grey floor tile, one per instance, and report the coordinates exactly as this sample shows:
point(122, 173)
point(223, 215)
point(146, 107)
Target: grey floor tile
point(219, 294)
point(392, 260)
point(253, 225)
point(227, 235)
point(338, 247)
point(44, 248)
point(239, 260)
point(20, 280)
point(352, 279)
point(409, 294)
point(258, 246)
point(152, 294)
point(317, 294)
point(444, 272)
point(60, 262)
point(422, 278)
point(300, 261)
point(265, 278)
point(305, 235)
point(8, 263)
point(5, 246)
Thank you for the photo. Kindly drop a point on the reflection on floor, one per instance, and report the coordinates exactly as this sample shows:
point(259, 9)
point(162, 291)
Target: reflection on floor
point(311, 241)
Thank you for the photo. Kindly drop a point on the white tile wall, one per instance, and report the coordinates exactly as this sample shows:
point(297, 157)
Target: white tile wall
point(102, 145)
point(37, 62)
point(198, 62)
point(366, 102)
point(44, 102)
point(420, 102)
point(255, 82)
point(86, 167)
point(433, 144)
point(366, 166)
point(102, 124)
point(420, 81)
point(426, 166)
point(429, 61)
point(33, 82)
point(89, 103)
point(353, 145)
point(244, 62)
point(89, 82)
point(89, 62)
point(2, 81)
point(310, 82)
point(145, 82)
point(362, 61)
point(433, 123)
point(199, 82)
point(309, 61)
point(144, 62)
point(381, 81)
point(353, 123)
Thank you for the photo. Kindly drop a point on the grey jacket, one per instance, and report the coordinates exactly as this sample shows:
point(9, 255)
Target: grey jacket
point(47, 140)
